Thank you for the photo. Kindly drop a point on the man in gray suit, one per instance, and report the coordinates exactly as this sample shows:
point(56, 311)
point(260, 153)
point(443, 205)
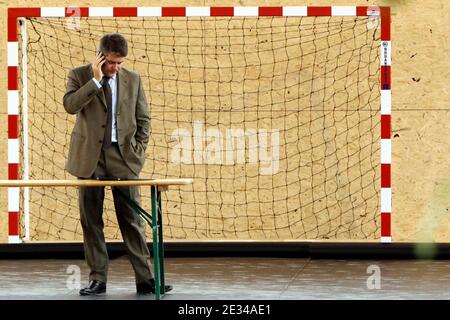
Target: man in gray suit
point(109, 139)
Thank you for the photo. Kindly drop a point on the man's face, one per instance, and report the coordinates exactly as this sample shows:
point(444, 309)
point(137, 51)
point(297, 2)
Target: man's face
point(112, 64)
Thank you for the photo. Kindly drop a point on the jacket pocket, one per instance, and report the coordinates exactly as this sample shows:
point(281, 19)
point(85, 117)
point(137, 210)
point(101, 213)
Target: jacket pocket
point(76, 136)
point(75, 140)
point(133, 144)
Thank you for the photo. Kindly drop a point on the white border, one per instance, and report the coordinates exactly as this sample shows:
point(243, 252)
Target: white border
point(101, 11)
point(53, 12)
point(386, 102)
point(386, 146)
point(295, 11)
point(349, 11)
point(198, 11)
point(386, 200)
point(13, 54)
point(149, 11)
point(246, 11)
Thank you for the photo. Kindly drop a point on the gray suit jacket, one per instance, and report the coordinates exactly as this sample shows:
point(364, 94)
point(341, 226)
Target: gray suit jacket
point(87, 101)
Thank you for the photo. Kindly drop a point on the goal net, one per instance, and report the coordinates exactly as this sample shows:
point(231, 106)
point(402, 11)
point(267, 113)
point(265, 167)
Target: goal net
point(276, 118)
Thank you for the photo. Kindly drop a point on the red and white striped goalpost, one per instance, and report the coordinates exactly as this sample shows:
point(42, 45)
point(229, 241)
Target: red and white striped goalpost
point(13, 94)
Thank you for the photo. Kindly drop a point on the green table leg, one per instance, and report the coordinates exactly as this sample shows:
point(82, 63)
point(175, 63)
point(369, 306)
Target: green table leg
point(157, 232)
point(156, 256)
point(161, 243)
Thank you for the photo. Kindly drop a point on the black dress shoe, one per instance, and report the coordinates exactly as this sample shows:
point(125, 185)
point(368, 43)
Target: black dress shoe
point(148, 286)
point(95, 287)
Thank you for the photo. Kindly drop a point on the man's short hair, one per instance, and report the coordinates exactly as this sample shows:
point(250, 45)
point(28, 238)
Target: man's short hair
point(114, 43)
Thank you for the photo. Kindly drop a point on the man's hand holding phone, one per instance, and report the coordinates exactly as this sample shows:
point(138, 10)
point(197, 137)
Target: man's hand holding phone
point(97, 66)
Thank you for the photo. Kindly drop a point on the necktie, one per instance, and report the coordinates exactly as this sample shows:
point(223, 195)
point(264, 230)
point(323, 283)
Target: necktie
point(108, 128)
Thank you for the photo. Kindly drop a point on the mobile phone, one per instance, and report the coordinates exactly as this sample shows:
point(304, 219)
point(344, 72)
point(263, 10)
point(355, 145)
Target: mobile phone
point(98, 51)
point(102, 55)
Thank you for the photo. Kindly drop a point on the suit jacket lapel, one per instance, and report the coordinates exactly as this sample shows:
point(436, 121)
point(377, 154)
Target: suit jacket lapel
point(102, 98)
point(122, 81)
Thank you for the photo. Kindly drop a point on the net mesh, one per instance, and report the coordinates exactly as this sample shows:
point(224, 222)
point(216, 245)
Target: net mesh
point(277, 119)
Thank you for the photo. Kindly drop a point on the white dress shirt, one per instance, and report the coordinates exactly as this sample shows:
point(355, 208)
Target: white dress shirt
point(113, 84)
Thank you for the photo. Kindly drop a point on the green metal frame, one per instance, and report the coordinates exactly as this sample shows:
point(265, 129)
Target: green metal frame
point(155, 222)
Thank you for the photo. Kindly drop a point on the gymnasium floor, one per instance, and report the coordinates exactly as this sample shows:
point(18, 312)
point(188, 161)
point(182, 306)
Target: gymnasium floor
point(238, 278)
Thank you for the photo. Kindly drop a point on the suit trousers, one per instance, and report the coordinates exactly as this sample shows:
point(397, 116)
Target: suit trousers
point(112, 165)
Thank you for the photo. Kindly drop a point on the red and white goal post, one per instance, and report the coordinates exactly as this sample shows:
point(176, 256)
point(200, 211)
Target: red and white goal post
point(17, 77)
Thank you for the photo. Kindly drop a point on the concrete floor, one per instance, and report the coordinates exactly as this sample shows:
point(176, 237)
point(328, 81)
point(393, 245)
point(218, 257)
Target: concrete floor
point(237, 278)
